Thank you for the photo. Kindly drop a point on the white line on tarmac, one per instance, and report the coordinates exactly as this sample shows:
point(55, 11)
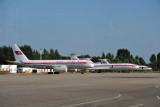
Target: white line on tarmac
point(158, 97)
point(137, 105)
point(157, 86)
point(119, 95)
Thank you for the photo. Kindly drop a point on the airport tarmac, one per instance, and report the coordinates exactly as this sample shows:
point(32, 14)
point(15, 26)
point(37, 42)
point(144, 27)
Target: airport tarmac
point(80, 90)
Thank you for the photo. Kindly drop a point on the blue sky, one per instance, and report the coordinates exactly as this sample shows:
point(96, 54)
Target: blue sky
point(82, 26)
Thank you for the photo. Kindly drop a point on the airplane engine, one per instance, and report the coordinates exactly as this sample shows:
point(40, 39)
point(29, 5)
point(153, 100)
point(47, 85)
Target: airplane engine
point(60, 69)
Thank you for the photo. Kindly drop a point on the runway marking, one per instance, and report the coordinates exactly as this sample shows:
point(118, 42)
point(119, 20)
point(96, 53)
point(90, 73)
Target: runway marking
point(137, 105)
point(119, 95)
point(157, 86)
point(158, 97)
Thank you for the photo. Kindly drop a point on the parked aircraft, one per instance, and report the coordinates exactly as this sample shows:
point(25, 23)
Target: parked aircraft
point(144, 68)
point(138, 67)
point(105, 65)
point(56, 65)
point(114, 66)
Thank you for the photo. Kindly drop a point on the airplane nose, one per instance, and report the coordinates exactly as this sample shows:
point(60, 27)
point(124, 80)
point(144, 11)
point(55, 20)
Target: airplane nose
point(149, 68)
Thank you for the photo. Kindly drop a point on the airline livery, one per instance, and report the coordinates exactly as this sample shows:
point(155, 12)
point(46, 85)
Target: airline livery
point(105, 65)
point(56, 65)
point(119, 66)
point(144, 68)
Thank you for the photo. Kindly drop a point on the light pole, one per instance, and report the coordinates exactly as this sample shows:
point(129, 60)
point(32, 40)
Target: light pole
point(41, 53)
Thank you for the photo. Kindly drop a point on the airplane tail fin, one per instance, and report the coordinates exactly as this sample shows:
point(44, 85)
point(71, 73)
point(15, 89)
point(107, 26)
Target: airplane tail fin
point(74, 57)
point(104, 61)
point(88, 60)
point(18, 54)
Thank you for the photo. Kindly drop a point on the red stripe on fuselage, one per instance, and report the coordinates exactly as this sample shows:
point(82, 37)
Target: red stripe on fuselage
point(111, 65)
point(143, 67)
point(30, 63)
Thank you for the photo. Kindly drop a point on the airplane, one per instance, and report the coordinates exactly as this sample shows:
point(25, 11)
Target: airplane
point(56, 65)
point(144, 68)
point(105, 65)
point(136, 67)
point(140, 67)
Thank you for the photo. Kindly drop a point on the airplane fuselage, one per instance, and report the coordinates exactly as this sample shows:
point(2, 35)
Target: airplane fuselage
point(117, 66)
point(144, 68)
point(70, 64)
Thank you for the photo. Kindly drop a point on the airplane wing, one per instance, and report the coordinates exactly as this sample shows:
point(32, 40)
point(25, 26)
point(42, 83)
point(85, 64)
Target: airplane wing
point(99, 68)
point(48, 66)
point(58, 68)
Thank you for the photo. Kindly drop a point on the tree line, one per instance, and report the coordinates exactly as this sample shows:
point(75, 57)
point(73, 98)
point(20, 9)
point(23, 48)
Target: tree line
point(155, 62)
point(122, 56)
point(6, 53)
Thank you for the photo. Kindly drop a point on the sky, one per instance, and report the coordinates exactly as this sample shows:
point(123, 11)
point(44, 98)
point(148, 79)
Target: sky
point(82, 26)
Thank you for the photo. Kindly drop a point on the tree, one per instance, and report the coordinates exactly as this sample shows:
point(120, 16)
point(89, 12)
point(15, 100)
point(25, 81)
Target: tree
point(6, 53)
point(110, 57)
point(158, 61)
point(11, 55)
point(153, 61)
point(141, 60)
point(52, 54)
point(131, 60)
point(45, 55)
point(85, 56)
point(116, 60)
point(136, 61)
point(131, 56)
point(27, 50)
point(123, 55)
point(36, 55)
point(137, 57)
point(57, 55)
point(103, 55)
point(95, 58)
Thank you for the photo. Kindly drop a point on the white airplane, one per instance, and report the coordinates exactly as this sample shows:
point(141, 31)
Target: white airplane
point(105, 65)
point(56, 65)
point(126, 66)
point(144, 68)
